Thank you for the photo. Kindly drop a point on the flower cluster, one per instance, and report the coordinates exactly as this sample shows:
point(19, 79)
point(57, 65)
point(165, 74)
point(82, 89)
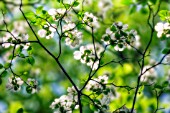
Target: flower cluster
point(90, 19)
point(86, 55)
point(96, 84)
point(162, 29)
point(48, 31)
point(32, 86)
point(66, 103)
point(14, 83)
point(118, 36)
point(73, 36)
point(98, 87)
point(56, 13)
point(16, 36)
point(149, 76)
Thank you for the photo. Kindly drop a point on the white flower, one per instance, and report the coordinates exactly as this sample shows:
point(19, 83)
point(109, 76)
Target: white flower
point(162, 28)
point(90, 19)
point(14, 83)
point(86, 54)
point(52, 12)
point(149, 76)
point(33, 84)
point(6, 45)
point(77, 55)
point(69, 26)
point(117, 48)
point(42, 33)
point(26, 46)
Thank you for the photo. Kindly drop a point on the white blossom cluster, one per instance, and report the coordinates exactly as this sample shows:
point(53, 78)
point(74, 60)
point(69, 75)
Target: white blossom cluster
point(98, 87)
point(119, 36)
point(48, 31)
point(149, 76)
point(17, 35)
point(66, 103)
point(32, 85)
point(73, 36)
point(56, 13)
point(86, 55)
point(96, 83)
point(162, 29)
point(14, 83)
point(90, 19)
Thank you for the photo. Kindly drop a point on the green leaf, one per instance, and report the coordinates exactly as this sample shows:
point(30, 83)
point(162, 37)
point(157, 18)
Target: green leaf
point(30, 60)
point(20, 110)
point(0, 81)
point(29, 89)
point(59, 1)
point(163, 14)
point(165, 84)
point(21, 55)
point(113, 28)
point(7, 65)
point(157, 86)
point(126, 2)
point(75, 4)
point(67, 6)
point(166, 50)
point(29, 14)
point(4, 73)
point(141, 89)
point(30, 50)
point(132, 9)
point(19, 50)
point(153, 1)
point(1, 66)
point(39, 10)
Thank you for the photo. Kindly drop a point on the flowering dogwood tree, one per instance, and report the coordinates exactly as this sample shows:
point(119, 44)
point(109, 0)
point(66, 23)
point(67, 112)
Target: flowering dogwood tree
point(72, 56)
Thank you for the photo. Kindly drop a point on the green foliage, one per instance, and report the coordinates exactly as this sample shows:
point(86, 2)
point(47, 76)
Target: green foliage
point(164, 15)
point(166, 51)
point(20, 110)
point(30, 60)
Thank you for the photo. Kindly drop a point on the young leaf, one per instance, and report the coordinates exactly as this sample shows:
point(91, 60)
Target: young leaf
point(4, 73)
point(30, 60)
point(0, 81)
point(7, 65)
point(1, 66)
point(28, 89)
point(166, 51)
point(39, 10)
point(20, 110)
point(165, 84)
point(75, 4)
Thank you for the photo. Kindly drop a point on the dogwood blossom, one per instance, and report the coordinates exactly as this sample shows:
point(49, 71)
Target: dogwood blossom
point(86, 55)
point(149, 76)
point(96, 83)
point(90, 19)
point(56, 13)
point(73, 36)
point(48, 31)
point(14, 83)
point(32, 85)
point(162, 28)
point(119, 36)
point(66, 103)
